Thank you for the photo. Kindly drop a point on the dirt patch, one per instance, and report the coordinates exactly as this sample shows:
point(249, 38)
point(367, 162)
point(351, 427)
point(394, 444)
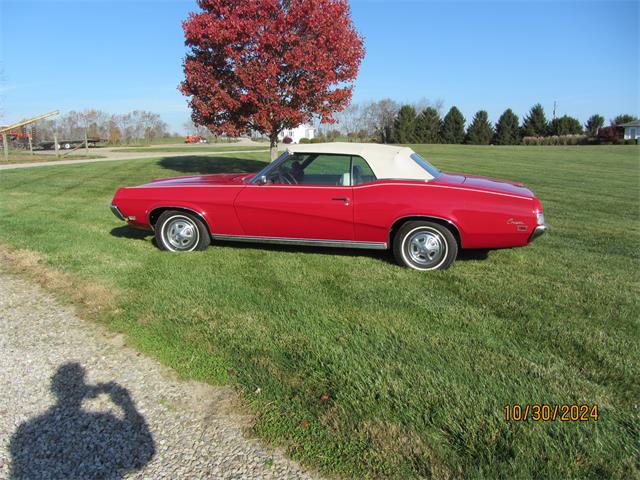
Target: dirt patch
point(394, 441)
point(91, 298)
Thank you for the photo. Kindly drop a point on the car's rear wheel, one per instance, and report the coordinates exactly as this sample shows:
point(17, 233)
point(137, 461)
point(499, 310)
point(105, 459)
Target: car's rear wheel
point(178, 231)
point(423, 245)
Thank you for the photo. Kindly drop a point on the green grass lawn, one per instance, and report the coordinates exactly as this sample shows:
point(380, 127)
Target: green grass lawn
point(193, 148)
point(417, 367)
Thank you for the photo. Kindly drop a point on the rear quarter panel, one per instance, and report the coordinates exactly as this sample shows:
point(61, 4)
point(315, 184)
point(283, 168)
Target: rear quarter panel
point(484, 219)
point(213, 203)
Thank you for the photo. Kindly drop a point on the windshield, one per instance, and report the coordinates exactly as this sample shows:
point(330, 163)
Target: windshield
point(269, 167)
point(433, 171)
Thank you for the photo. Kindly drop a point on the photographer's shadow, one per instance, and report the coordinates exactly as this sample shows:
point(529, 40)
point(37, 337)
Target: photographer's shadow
point(70, 442)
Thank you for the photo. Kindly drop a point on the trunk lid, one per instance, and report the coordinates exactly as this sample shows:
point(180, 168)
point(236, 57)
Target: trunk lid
point(485, 183)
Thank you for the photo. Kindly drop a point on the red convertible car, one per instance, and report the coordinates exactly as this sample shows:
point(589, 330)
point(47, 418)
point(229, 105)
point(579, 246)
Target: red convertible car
point(339, 195)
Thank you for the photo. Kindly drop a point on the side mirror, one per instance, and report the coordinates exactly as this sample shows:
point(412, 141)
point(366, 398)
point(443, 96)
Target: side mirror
point(262, 180)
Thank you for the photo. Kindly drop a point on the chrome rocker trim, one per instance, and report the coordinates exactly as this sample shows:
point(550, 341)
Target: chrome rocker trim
point(539, 231)
point(116, 211)
point(303, 242)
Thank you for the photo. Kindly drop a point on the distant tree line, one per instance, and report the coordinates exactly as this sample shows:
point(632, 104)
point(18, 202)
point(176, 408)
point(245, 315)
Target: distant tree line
point(138, 125)
point(386, 121)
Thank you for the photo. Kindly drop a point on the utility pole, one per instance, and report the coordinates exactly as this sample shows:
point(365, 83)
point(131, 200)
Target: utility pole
point(555, 103)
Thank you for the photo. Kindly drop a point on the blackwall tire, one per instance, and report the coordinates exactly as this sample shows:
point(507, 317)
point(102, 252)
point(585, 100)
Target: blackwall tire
point(425, 246)
point(178, 231)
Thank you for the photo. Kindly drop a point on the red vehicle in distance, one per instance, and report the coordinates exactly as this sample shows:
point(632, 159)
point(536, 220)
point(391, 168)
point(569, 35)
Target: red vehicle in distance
point(340, 195)
point(195, 139)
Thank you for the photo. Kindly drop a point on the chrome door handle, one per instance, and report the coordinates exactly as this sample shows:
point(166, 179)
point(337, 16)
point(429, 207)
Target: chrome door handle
point(342, 199)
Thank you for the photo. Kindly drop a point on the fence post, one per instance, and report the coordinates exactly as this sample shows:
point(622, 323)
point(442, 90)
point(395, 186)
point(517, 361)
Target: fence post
point(55, 144)
point(5, 145)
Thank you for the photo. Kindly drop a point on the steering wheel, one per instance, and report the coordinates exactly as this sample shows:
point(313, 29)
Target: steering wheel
point(287, 179)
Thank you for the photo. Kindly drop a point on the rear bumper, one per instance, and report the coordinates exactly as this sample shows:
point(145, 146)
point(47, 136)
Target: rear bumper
point(540, 230)
point(116, 211)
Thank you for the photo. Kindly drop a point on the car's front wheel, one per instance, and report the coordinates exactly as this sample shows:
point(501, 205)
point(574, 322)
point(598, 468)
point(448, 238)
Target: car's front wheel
point(178, 231)
point(425, 245)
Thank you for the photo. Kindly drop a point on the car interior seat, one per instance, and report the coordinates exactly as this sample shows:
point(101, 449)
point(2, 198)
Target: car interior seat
point(345, 180)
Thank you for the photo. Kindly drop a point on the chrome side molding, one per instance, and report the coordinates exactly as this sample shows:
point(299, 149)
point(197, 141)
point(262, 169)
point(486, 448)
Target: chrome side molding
point(303, 242)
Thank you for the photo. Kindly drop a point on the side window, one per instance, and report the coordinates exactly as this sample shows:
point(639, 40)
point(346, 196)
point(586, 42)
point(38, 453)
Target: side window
point(313, 169)
point(361, 171)
point(327, 169)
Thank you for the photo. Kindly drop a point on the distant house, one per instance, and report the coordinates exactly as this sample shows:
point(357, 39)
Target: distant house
point(631, 130)
point(298, 133)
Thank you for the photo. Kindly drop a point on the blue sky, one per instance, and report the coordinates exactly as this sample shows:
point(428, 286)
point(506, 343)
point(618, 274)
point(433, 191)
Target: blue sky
point(122, 55)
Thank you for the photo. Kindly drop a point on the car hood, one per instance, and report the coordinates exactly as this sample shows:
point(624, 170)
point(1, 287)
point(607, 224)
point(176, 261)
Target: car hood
point(484, 183)
point(202, 180)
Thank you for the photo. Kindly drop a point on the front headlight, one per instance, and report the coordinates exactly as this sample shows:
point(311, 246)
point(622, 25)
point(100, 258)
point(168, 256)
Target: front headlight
point(540, 218)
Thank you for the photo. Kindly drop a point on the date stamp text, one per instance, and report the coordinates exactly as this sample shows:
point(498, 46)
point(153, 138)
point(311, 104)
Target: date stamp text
point(550, 413)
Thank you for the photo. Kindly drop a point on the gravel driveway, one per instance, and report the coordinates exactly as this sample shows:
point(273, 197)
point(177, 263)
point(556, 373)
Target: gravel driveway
point(77, 403)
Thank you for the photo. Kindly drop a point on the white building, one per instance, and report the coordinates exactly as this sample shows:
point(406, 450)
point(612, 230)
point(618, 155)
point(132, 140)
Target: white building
point(298, 133)
point(631, 129)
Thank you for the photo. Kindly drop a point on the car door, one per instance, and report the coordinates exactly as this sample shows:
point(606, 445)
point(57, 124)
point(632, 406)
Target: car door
point(307, 196)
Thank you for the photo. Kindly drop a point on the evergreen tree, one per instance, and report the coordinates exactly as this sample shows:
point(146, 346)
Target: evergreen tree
point(507, 131)
point(404, 125)
point(480, 131)
point(427, 126)
point(625, 118)
point(594, 123)
point(452, 130)
point(535, 123)
point(565, 125)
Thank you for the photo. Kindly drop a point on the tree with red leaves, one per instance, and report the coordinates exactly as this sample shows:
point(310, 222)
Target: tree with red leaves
point(267, 65)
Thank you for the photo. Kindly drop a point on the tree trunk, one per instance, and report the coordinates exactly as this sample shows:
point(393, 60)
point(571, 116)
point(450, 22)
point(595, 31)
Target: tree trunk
point(273, 139)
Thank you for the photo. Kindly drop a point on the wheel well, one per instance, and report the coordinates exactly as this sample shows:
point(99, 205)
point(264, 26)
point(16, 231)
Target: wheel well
point(154, 215)
point(440, 221)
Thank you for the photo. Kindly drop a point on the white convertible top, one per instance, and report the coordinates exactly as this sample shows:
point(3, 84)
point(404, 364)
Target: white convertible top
point(386, 161)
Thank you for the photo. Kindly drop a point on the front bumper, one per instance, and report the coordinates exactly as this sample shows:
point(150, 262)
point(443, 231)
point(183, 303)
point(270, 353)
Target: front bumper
point(116, 211)
point(540, 230)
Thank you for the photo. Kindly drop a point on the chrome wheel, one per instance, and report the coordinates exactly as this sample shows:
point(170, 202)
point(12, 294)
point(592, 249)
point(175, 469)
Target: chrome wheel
point(180, 234)
point(426, 247)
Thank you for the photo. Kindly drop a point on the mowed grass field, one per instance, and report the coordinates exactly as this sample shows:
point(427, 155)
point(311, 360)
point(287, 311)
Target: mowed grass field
point(355, 365)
